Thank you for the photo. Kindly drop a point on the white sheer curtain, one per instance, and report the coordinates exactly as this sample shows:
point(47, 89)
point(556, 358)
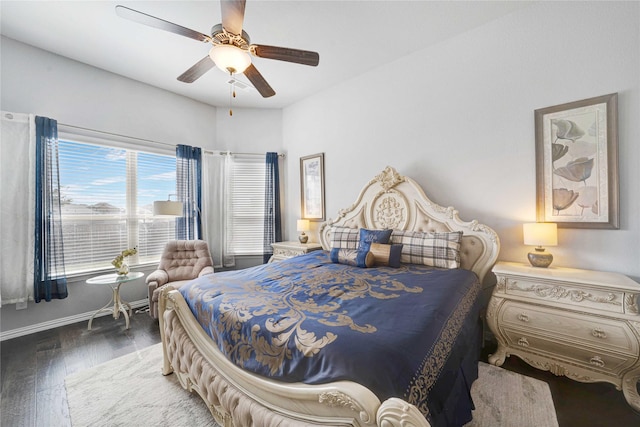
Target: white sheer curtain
point(17, 220)
point(215, 169)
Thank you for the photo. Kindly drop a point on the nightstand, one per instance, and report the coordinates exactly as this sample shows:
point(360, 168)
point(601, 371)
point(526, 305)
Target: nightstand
point(284, 250)
point(583, 324)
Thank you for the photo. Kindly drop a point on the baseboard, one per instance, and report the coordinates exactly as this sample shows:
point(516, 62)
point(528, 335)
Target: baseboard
point(38, 327)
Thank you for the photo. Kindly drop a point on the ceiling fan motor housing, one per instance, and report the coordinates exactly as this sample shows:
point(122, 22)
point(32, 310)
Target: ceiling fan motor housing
point(221, 36)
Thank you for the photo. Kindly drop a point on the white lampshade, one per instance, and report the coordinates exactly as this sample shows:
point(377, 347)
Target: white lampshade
point(303, 225)
point(167, 208)
point(540, 234)
point(229, 58)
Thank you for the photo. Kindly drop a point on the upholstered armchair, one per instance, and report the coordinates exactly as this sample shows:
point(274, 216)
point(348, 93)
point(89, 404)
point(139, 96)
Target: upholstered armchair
point(181, 262)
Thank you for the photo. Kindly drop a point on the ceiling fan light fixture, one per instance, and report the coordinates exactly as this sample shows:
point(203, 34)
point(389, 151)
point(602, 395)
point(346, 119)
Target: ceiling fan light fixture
point(229, 58)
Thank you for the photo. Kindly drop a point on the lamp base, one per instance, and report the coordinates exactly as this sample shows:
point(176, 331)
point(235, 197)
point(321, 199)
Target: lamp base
point(303, 238)
point(540, 258)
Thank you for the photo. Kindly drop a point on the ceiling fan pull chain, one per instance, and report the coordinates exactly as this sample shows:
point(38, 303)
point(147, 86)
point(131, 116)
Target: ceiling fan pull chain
point(231, 92)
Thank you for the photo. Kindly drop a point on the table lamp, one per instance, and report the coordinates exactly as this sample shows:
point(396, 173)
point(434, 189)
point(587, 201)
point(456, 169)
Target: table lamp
point(303, 225)
point(540, 234)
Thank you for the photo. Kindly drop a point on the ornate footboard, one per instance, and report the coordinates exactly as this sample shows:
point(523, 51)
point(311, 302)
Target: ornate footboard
point(236, 397)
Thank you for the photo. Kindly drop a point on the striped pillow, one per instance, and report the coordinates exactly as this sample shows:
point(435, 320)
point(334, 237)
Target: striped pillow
point(355, 258)
point(433, 249)
point(386, 254)
point(345, 237)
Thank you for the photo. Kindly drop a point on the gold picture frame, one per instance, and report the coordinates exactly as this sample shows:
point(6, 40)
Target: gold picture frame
point(312, 187)
point(577, 163)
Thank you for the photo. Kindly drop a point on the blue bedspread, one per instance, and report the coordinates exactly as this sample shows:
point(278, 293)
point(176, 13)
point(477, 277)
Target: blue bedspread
point(409, 332)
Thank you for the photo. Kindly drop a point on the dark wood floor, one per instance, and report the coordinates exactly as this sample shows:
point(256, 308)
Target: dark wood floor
point(578, 404)
point(33, 369)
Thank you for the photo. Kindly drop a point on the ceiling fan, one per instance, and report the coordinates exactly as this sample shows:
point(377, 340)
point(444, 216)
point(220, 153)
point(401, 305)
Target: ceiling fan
point(231, 46)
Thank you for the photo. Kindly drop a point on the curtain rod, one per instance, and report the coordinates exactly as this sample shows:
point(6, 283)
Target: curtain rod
point(158, 142)
point(229, 153)
point(118, 135)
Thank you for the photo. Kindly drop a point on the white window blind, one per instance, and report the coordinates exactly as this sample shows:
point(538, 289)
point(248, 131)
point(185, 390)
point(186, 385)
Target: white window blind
point(245, 195)
point(107, 196)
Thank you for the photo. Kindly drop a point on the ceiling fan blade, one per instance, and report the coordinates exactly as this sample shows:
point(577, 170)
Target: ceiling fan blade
point(198, 69)
point(232, 15)
point(152, 21)
point(259, 82)
point(298, 56)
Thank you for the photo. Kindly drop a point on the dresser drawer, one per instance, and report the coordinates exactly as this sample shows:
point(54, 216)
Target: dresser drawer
point(599, 360)
point(607, 333)
point(568, 294)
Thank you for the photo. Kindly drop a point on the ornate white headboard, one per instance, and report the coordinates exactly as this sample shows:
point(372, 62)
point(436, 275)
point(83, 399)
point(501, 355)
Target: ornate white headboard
point(393, 201)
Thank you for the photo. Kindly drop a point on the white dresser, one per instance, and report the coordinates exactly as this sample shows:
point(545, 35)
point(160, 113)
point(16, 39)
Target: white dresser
point(284, 250)
point(583, 324)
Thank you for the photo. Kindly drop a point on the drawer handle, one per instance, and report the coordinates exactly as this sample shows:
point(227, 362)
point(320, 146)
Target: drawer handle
point(523, 317)
point(522, 342)
point(597, 361)
point(599, 333)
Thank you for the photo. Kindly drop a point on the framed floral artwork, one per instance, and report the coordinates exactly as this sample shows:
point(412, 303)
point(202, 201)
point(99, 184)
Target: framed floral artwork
point(312, 187)
point(577, 163)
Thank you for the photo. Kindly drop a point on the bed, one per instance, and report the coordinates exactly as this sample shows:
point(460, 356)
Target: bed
point(248, 379)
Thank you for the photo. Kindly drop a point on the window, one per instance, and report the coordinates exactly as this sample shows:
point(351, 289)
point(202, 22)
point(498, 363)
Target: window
point(107, 196)
point(245, 196)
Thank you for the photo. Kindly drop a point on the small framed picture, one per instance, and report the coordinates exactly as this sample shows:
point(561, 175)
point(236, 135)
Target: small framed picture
point(312, 187)
point(577, 163)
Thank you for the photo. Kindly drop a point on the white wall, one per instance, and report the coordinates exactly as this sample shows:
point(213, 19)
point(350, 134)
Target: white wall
point(39, 82)
point(458, 117)
point(249, 130)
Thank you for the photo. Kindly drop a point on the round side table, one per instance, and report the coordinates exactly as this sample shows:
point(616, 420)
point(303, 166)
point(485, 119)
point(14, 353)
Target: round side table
point(119, 306)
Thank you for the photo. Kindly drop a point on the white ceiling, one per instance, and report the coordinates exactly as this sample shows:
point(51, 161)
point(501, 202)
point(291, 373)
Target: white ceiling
point(351, 37)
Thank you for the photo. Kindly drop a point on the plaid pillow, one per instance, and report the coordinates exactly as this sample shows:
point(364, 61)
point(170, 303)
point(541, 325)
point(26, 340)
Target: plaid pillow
point(434, 249)
point(345, 237)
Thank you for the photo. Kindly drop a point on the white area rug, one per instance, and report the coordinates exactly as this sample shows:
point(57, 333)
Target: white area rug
point(131, 391)
point(505, 398)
